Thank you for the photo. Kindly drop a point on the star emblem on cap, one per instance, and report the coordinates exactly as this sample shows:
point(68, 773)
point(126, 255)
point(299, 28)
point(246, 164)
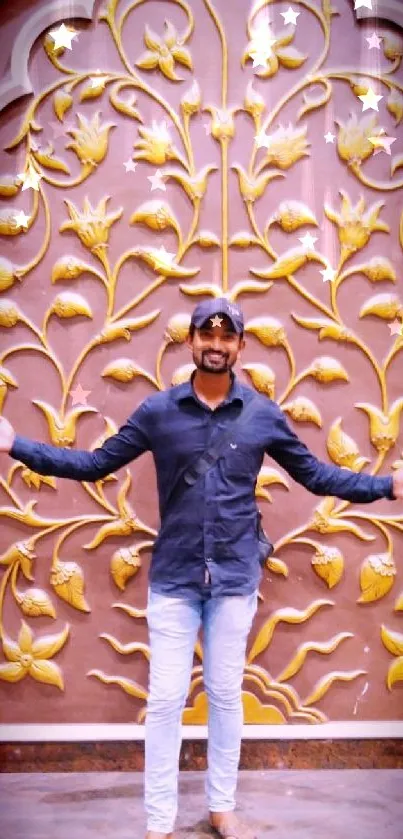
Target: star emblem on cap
point(216, 321)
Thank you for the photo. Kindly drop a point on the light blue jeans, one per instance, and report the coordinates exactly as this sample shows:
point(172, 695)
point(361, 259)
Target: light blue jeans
point(173, 625)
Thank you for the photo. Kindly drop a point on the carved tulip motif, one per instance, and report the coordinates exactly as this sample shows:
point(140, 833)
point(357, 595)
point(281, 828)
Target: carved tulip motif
point(92, 225)
point(383, 428)
point(355, 226)
point(90, 139)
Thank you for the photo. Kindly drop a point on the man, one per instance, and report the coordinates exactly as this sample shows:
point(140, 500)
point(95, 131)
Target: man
point(205, 568)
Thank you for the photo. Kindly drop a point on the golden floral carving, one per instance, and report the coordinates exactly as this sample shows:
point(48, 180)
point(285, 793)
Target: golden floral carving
point(90, 139)
point(164, 52)
point(31, 657)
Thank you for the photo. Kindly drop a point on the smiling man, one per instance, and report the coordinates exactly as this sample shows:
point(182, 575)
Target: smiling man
point(205, 568)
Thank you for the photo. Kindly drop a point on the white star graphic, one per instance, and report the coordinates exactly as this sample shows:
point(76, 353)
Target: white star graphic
point(216, 320)
point(207, 128)
point(396, 328)
point(370, 100)
point(62, 37)
point(156, 181)
point(98, 81)
point(130, 166)
point(363, 4)
point(261, 44)
point(290, 16)
point(30, 179)
point(329, 137)
point(308, 240)
point(79, 395)
point(374, 42)
point(21, 219)
point(328, 274)
point(262, 139)
point(382, 144)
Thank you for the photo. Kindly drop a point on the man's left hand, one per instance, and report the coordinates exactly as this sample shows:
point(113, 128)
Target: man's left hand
point(398, 484)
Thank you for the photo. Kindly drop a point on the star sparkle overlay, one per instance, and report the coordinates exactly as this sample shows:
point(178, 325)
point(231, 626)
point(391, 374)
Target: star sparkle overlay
point(382, 144)
point(130, 166)
point(30, 179)
point(396, 328)
point(79, 395)
point(308, 241)
point(156, 181)
point(374, 42)
point(370, 100)
point(290, 16)
point(216, 320)
point(328, 274)
point(62, 37)
point(22, 219)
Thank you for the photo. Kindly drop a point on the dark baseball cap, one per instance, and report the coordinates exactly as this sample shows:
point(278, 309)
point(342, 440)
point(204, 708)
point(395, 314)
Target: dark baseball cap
point(218, 306)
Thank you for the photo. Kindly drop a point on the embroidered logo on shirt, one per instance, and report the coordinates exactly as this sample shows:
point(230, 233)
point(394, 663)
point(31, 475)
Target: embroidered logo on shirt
point(233, 445)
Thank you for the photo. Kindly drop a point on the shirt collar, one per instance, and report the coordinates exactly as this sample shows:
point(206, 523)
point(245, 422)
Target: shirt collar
point(186, 391)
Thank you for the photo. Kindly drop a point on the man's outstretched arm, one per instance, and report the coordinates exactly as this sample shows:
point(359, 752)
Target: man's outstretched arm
point(322, 478)
point(131, 440)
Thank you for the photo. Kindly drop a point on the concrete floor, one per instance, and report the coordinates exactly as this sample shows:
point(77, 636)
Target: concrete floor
point(280, 804)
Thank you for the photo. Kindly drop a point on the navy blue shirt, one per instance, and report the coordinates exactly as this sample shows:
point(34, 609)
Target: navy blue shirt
point(213, 524)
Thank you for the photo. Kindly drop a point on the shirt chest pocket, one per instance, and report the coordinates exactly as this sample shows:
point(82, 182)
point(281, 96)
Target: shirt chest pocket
point(239, 460)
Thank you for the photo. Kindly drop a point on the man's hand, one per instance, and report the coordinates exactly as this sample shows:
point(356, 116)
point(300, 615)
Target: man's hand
point(398, 484)
point(7, 435)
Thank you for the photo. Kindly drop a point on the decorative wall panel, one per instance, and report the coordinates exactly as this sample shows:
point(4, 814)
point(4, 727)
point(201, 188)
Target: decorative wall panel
point(156, 153)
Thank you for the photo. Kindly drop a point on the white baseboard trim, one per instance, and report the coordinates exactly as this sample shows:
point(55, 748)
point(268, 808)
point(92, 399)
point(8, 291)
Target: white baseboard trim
point(97, 732)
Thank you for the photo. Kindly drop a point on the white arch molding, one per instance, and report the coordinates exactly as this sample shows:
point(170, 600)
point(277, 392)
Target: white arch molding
point(16, 81)
point(391, 10)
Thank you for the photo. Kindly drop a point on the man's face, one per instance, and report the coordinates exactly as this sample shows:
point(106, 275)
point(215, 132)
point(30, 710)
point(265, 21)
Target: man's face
point(216, 348)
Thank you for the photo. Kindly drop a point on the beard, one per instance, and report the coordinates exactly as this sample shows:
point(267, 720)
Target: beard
point(211, 363)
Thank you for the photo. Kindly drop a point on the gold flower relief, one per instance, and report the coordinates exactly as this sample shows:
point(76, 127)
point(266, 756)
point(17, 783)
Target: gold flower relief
point(156, 144)
point(164, 52)
point(92, 224)
point(353, 144)
point(90, 139)
point(285, 146)
point(355, 226)
point(31, 657)
point(279, 53)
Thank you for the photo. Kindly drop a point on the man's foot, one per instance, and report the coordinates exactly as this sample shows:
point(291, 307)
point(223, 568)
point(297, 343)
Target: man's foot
point(229, 826)
point(154, 834)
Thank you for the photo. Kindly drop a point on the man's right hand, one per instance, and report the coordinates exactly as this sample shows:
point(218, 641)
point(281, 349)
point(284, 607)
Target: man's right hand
point(7, 435)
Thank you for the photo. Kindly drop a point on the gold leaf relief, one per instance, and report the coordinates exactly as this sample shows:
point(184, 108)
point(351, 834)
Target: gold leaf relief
point(7, 274)
point(269, 331)
point(69, 268)
point(263, 378)
point(323, 684)
point(70, 304)
point(343, 450)
point(385, 306)
point(35, 602)
point(326, 369)
point(125, 563)
point(62, 102)
point(67, 579)
point(377, 576)
point(45, 158)
point(129, 686)
point(393, 641)
point(303, 409)
point(328, 564)
point(30, 656)
point(177, 328)
point(123, 370)
point(9, 186)
point(182, 374)
point(267, 476)
point(157, 215)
